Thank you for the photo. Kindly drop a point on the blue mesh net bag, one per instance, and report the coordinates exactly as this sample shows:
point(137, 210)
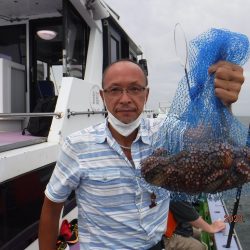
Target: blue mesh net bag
point(202, 148)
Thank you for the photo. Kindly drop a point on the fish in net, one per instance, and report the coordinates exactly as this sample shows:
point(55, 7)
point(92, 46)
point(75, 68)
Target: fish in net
point(201, 147)
point(208, 168)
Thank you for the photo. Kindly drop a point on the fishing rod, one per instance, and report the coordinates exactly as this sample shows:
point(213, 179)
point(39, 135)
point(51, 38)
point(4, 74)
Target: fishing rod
point(236, 203)
point(181, 49)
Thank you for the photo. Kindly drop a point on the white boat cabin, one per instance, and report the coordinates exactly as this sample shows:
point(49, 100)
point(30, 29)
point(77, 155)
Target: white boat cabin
point(49, 50)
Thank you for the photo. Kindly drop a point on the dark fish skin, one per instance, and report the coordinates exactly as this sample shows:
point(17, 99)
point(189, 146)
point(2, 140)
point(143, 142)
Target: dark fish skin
point(207, 168)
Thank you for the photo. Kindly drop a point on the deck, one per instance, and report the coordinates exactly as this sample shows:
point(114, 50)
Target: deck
point(14, 140)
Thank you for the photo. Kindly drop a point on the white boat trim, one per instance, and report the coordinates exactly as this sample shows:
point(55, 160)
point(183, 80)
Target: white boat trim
point(218, 211)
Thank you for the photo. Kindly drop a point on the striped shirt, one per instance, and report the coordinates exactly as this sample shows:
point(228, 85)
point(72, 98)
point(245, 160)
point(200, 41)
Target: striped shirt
point(113, 206)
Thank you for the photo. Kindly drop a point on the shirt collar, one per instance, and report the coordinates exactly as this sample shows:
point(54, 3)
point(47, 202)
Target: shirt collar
point(143, 132)
point(102, 132)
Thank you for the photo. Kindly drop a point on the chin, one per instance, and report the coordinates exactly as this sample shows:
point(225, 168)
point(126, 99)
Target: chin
point(127, 120)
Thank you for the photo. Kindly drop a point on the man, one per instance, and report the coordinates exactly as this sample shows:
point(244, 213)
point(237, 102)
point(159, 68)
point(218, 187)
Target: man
point(184, 237)
point(100, 163)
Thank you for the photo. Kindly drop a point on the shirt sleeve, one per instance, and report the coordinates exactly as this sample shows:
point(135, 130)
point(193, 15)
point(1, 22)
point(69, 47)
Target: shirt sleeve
point(183, 211)
point(65, 176)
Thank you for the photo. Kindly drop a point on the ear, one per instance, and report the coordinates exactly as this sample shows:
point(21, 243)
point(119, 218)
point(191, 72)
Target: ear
point(101, 94)
point(147, 93)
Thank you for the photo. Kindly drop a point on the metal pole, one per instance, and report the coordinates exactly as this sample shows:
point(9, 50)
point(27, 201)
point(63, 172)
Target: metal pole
point(232, 224)
point(74, 113)
point(236, 203)
point(11, 115)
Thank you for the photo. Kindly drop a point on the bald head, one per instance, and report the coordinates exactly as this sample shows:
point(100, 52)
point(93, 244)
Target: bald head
point(119, 66)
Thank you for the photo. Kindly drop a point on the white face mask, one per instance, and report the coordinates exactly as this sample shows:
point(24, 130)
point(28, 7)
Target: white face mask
point(123, 128)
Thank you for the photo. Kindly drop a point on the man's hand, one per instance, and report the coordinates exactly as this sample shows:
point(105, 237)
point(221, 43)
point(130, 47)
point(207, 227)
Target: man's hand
point(217, 226)
point(228, 78)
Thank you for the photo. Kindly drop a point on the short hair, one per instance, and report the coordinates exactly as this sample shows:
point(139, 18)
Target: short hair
point(125, 60)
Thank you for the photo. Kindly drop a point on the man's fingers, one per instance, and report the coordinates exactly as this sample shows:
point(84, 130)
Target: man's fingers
point(226, 96)
point(228, 79)
point(229, 75)
point(224, 64)
point(227, 85)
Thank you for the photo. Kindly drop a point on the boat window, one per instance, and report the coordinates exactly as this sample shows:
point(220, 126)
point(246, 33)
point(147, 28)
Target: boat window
point(132, 55)
point(48, 75)
point(46, 58)
point(13, 43)
point(49, 57)
point(114, 49)
point(76, 42)
point(115, 42)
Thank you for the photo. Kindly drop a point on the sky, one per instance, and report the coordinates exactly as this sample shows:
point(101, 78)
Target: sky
point(151, 24)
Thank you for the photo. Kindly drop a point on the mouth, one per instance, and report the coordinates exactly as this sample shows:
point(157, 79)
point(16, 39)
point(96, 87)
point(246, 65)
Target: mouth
point(125, 110)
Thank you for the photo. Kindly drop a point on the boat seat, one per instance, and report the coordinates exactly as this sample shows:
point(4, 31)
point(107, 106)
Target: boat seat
point(45, 88)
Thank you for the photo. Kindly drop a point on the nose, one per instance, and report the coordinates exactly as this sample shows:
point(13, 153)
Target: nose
point(125, 98)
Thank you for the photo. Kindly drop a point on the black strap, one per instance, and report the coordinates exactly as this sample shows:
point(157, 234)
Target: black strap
point(158, 246)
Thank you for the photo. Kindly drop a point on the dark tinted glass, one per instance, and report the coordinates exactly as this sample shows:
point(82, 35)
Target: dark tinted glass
point(13, 43)
point(21, 200)
point(76, 42)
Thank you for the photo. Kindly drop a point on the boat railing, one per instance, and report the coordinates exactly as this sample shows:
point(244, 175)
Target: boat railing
point(88, 112)
point(58, 115)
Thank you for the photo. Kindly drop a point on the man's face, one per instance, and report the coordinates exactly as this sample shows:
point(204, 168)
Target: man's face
point(125, 106)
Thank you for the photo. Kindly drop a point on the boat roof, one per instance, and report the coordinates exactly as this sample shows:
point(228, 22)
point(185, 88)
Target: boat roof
point(116, 17)
point(14, 10)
